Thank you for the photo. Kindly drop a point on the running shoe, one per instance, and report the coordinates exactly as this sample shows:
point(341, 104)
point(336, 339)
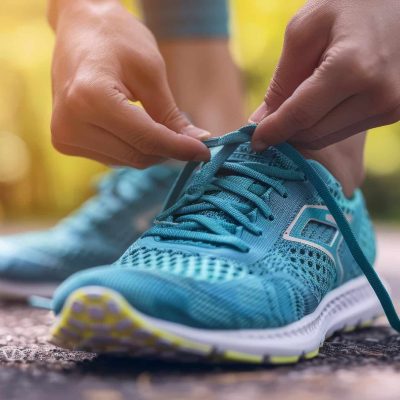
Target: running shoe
point(98, 233)
point(247, 263)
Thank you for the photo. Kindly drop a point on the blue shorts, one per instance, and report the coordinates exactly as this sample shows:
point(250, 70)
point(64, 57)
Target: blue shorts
point(187, 18)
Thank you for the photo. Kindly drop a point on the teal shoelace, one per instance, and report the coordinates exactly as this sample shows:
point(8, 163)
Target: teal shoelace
point(186, 212)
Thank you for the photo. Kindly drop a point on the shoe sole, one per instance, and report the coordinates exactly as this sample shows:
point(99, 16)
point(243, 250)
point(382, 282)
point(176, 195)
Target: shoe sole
point(22, 291)
point(100, 320)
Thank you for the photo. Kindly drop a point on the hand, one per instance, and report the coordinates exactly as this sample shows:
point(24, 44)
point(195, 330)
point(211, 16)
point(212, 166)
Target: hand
point(338, 74)
point(103, 57)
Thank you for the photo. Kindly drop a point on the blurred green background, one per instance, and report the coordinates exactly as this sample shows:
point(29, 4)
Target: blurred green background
point(37, 182)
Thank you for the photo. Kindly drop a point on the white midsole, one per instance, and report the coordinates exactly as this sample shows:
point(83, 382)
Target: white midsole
point(21, 291)
point(352, 303)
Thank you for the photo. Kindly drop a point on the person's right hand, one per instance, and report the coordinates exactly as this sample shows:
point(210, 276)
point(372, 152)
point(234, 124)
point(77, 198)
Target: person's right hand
point(103, 58)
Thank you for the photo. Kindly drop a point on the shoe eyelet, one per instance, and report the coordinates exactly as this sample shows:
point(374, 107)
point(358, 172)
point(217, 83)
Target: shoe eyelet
point(285, 195)
point(271, 217)
point(192, 191)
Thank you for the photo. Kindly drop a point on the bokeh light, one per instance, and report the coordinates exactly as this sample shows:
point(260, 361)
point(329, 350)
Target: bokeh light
point(14, 158)
point(35, 179)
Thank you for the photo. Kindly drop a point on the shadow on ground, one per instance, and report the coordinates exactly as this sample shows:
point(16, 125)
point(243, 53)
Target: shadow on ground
point(361, 365)
point(33, 369)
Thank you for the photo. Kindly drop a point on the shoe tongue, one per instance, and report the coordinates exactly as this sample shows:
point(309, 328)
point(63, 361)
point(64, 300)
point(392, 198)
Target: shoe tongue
point(244, 153)
point(270, 156)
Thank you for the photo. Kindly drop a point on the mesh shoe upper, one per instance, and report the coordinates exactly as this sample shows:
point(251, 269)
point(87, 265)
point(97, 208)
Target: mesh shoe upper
point(98, 233)
point(206, 266)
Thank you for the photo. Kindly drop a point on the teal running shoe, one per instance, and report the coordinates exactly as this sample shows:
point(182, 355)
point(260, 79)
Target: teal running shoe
point(251, 261)
point(98, 233)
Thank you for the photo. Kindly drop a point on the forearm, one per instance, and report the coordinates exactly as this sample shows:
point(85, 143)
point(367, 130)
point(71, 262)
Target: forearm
point(193, 36)
point(205, 81)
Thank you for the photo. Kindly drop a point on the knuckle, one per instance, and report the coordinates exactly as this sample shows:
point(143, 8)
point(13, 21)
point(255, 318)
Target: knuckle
point(74, 93)
point(275, 94)
point(303, 27)
point(367, 73)
point(351, 63)
point(371, 66)
point(153, 65)
point(143, 145)
point(343, 59)
point(173, 118)
point(79, 94)
point(300, 117)
point(293, 27)
point(365, 70)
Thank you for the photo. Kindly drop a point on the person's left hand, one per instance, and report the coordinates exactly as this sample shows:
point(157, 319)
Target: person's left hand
point(339, 74)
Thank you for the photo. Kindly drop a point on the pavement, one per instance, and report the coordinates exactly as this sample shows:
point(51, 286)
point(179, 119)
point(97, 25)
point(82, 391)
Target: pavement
point(362, 365)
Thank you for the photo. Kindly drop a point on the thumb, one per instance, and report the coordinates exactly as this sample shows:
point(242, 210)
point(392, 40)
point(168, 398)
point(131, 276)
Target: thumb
point(303, 48)
point(160, 104)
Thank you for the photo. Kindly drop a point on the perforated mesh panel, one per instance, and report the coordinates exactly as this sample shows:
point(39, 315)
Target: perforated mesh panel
point(318, 231)
point(191, 265)
point(310, 268)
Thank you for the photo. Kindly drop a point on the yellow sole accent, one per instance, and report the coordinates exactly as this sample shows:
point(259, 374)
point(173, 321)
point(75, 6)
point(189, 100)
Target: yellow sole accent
point(284, 359)
point(366, 324)
point(242, 357)
point(311, 354)
point(100, 320)
point(349, 328)
point(116, 327)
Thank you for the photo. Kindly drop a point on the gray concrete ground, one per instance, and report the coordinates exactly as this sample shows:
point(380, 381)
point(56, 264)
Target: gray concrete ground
point(363, 365)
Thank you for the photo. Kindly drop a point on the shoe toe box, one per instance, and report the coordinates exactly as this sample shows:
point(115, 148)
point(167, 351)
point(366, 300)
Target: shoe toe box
point(245, 302)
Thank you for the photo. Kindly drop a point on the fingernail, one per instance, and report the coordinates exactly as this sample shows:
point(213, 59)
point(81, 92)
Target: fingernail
point(258, 146)
point(196, 133)
point(202, 157)
point(259, 114)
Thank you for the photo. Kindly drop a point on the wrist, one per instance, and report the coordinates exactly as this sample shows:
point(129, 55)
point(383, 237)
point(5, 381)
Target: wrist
point(57, 8)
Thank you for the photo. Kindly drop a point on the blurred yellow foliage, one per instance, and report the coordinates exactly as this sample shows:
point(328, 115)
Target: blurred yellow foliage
point(34, 178)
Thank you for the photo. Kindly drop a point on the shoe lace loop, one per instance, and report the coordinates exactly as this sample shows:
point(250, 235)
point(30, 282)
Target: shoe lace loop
point(201, 214)
point(220, 233)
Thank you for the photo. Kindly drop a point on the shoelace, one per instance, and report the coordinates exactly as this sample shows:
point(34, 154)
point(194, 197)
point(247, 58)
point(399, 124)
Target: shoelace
point(203, 215)
point(179, 205)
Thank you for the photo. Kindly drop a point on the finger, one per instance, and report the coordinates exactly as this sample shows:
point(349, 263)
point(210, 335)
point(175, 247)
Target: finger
point(310, 102)
point(77, 151)
point(102, 146)
point(298, 61)
point(159, 103)
point(133, 125)
point(361, 126)
point(351, 111)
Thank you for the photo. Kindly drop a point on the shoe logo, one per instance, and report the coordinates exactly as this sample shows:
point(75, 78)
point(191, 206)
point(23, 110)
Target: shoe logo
point(328, 243)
